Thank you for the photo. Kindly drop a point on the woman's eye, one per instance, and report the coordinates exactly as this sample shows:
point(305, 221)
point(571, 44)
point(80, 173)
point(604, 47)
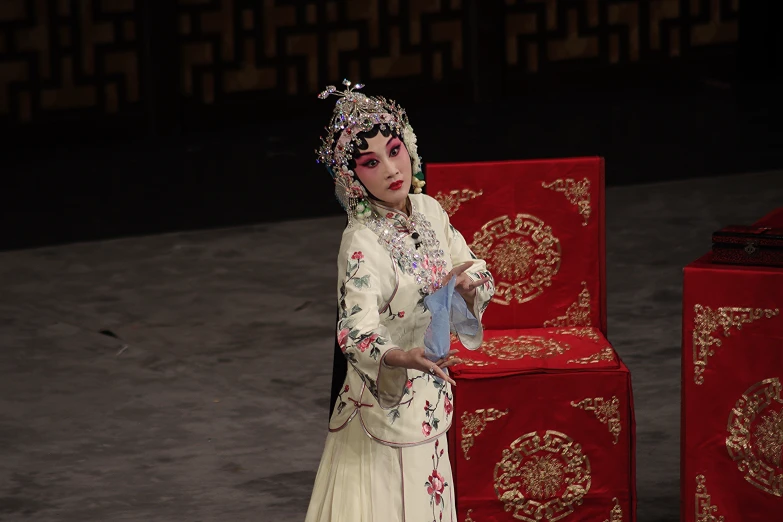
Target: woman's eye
point(395, 151)
point(371, 163)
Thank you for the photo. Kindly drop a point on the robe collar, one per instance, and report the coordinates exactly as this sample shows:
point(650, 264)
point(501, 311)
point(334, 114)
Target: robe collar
point(398, 218)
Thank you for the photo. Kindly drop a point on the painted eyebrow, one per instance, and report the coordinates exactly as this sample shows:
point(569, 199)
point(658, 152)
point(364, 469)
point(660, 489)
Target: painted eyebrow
point(366, 153)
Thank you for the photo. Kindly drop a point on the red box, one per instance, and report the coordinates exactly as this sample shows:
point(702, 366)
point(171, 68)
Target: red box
point(732, 406)
point(748, 245)
point(544, 426)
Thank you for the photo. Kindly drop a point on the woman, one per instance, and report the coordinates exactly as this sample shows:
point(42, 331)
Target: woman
point(386, 458)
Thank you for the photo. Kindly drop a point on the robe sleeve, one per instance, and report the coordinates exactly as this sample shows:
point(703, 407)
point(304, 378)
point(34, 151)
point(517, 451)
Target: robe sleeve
point(362, 337)
point(460, 253)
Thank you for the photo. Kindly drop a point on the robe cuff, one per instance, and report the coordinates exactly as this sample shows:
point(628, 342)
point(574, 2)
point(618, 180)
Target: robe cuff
point(391, 382)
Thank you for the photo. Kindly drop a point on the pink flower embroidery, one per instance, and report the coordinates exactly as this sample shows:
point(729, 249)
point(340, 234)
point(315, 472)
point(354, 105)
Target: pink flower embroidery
point(436, 486)
point(346, 388)
point(390, 215)
point(364, 344)
point(342, 338)
point(357, 255)
point(427, 406)
point(409, 384)
point(447, 407)
point(401, 314)
point(426, 429)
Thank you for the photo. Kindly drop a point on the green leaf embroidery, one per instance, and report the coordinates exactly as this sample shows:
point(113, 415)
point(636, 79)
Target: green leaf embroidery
point(394, 415)
point(362, 281)
point(375, 352)
point(435, 423)
point(356, 309)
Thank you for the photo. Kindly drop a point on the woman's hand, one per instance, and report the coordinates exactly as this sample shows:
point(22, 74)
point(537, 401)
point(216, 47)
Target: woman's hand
point(464, 284)
point(415, 360)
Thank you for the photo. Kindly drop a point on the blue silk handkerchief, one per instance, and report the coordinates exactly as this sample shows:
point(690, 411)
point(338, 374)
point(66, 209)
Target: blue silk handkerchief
point(449, 314)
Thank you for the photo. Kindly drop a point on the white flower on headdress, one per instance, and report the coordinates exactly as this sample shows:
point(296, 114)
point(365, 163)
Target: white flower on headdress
point(410, 142)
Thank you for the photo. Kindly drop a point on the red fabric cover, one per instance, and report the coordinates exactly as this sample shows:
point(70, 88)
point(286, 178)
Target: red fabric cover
point(536, 350)
point(539, 395)
point(553, 254)
point(732, 408)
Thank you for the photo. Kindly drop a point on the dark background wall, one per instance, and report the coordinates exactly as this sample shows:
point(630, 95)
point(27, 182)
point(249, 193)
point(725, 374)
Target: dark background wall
point(133, 116)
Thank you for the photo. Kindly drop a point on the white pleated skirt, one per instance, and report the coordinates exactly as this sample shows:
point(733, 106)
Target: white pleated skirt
point(361, 480)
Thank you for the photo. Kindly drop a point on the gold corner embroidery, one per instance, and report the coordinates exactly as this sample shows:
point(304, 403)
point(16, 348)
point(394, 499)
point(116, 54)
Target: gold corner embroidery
point(755, 436)
point(473, 424)
point(584, 332)
point(616, 515)
point(607, 412)
point(606, 354)
point(452, 201)
point(578, 314)
point(468, 518)
point(522, 254)
point(577, 193)
point(705, 511)
point(707, 322)
point(542, 477)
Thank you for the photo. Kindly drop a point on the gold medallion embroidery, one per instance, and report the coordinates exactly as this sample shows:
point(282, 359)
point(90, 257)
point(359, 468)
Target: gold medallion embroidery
point(468, 518)
point(586, 333)
point(755, 438)
point(542, 477)
point(707, 322)
point(607, 412)
point(616, 515)
point(578, 314)
point(475, 423)
point(509, 348)
point(705, 511)
point(606, 354)
point(522, 254)
point(451, 201)
point(577, 193)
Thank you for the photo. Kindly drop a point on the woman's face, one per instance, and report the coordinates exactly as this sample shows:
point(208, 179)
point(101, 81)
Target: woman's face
point(385, 169)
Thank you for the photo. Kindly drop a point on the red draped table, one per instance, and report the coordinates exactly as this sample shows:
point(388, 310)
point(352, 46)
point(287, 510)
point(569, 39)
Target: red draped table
point(732, 406)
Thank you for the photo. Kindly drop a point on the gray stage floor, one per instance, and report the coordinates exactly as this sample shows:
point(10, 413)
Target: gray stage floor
point(211, 403)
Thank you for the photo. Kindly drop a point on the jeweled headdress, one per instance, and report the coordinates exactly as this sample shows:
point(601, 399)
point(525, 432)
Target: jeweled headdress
point(355, 113)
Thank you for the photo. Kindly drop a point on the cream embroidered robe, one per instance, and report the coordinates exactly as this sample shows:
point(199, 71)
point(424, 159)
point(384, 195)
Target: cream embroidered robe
point(382, 309)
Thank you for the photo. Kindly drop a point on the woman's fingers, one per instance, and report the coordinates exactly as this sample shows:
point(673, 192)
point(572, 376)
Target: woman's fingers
point(456, 272)
point(441, 374)
point(450, 362)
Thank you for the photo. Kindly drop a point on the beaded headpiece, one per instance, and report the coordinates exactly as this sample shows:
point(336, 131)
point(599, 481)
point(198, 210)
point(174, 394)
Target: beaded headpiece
point(355, 113)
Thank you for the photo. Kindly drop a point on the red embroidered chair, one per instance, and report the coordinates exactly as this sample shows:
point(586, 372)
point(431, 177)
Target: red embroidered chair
point(543, 425)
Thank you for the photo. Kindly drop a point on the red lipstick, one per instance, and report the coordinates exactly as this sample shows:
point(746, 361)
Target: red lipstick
point(397, 185)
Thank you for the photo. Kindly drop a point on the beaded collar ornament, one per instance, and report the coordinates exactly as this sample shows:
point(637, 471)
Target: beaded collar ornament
point(355, 113)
